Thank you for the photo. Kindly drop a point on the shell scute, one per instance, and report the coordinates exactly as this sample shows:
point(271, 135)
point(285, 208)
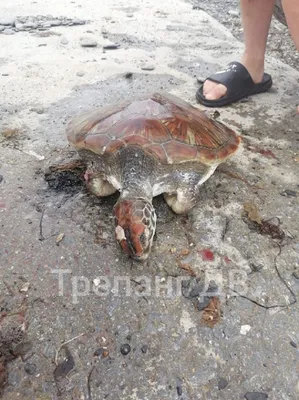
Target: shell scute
point(165, 126)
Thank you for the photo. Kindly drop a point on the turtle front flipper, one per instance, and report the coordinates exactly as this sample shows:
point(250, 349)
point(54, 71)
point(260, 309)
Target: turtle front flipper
point(98, 185)
point(182, 201)
point(188, 183)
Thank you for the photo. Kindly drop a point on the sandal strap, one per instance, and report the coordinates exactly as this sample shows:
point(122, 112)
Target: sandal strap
point(235, 78)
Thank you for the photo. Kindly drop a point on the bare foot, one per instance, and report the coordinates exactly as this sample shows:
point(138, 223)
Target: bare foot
point(214, 91)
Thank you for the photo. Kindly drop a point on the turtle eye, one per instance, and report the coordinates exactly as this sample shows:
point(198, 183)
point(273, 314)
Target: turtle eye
point(142, 238)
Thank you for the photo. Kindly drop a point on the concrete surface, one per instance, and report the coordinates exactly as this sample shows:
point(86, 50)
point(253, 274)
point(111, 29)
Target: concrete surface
point(250, 349)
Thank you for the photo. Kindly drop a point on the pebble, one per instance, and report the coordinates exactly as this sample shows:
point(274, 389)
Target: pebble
point(7, 21)
point(64, 40)
point(256, 267)
point(125, 349)
point(233, 13)
point(147, 67)
point(245, 329)
point(256, 396)
point(296, 274)
point(98, 352)
point(128, 75)
point(19, 26)
point(200, 79)
point(88, 42)
point(79, 22)
point(30, 369)
point(192, 287)
point(202, 303)
point(1, 178)
point(80, 73)
point(8, 31)
point(30, 24)
point(222, 383)
point(288, 192)
point(292, 343)
point(108, 45)
point(144, 348)
point(130, 15)
point(38, 110)
point(40, 22)
point(55, 22)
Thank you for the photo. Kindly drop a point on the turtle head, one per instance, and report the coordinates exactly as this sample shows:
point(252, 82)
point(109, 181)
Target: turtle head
point(135, 225)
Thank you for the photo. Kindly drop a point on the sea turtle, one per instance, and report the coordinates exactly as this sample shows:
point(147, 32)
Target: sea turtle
point(142, 148)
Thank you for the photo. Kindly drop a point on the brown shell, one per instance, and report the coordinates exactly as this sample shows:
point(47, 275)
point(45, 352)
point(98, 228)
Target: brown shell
point(163, 125)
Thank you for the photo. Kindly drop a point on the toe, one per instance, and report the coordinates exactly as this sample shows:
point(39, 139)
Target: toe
point(216, 93)
point(209, 86)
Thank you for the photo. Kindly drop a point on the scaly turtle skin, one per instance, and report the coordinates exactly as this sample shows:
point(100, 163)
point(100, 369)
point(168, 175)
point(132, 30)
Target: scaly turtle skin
point(142, 148)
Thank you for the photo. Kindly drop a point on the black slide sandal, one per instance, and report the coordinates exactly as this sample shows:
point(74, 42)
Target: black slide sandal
point(239, 85)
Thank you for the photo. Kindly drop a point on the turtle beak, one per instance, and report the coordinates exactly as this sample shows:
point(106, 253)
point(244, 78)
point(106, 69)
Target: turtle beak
point(131, 245)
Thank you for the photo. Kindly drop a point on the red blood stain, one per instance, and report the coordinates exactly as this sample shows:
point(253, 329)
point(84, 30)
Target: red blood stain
point(227, 260)
point(207, 255)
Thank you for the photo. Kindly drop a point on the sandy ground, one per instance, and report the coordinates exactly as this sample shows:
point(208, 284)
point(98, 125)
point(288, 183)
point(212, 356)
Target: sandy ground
point(45, 80)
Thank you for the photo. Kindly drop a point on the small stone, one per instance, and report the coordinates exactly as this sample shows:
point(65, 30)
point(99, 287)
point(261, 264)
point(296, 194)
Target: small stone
point(8, 21)
point(130, 15)
point(125, 349)
point(104, 31)
point(55, 22)
point(30, 369)
point(245, 329)
point(108, 45)
point(9, 31)
point(1, 178)
point(42, 45)
point(88, 42)
point(296, 274)
point(233, 13)
point(200, 79)
point(222, 383)
point(202, 303)
point(98, 352)
point(5, 74)
point(128, 75)
point(256, 267)
point(19, 26)
point(144, 349)
point(288, 192)
point(179, 388)
point(256, 396)
point(2, 28)
point(80, 73)
point(79, 22)
point(147, 67)
point(38, 110)
point(64, 40)
point(30, 24)
point(293, 344)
